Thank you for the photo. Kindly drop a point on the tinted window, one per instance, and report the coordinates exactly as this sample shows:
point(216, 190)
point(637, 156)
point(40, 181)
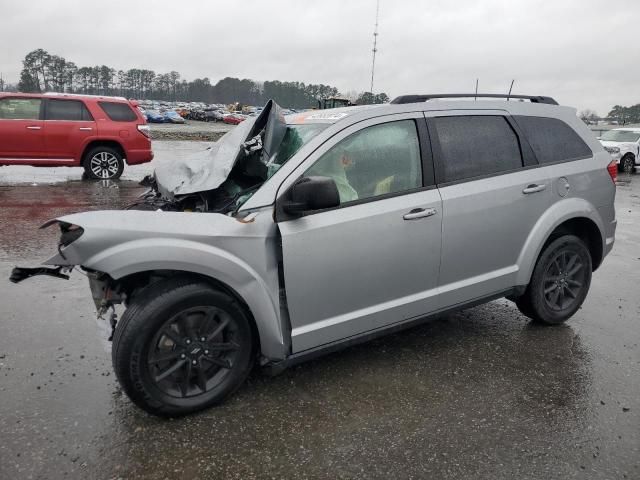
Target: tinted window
point(476, 145)
point(118, 112)
point(73, 110)
point(375, 161)
point(552, 140)
point(20, 108)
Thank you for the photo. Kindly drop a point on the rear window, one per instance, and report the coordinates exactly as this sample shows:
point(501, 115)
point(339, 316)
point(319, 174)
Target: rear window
point(118, 112)
point(552, 140)
point(71, 110)
point(476, 145)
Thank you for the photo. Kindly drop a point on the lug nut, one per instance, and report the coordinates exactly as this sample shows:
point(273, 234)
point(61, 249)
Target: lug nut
point(206, 352)
point(187, 341)
point(182, 355)
point(202, 339)
point(193, 362)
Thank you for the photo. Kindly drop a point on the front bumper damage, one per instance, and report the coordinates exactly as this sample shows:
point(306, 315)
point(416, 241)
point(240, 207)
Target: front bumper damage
point(18, 274)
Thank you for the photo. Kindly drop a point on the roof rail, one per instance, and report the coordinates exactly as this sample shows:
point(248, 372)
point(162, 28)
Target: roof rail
point(424, 98)
point(72, 95)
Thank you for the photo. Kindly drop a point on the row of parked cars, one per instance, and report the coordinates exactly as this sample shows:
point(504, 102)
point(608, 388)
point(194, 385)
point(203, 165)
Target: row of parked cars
point(178, 112)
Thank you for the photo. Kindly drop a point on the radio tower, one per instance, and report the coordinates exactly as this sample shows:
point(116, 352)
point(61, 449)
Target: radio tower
point(375, 44)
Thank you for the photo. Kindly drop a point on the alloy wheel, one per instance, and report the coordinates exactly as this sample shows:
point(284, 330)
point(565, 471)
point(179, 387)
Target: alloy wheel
point(563, 280)
point(104, 165)
point(193, 352)
point(628, 165)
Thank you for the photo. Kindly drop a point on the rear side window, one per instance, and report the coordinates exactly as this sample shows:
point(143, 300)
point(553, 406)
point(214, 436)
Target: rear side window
point(552, 140)
point(71, 110)
point(20, 108)
point(118, 112)
point(476, 145)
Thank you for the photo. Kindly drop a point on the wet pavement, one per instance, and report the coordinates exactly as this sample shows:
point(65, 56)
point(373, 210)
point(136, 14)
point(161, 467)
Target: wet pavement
point(479, 394)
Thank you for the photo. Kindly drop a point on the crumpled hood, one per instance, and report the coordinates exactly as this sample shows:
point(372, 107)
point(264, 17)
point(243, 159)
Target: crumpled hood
point(207, 170)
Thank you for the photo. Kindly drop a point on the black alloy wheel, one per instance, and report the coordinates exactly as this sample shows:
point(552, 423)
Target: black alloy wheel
point(560, 281)
point(182, 346)
point(193, 351)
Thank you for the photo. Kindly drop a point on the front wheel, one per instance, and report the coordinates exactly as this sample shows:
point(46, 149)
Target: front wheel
point(103, 163)
point(182, 346)
point(627, 164)
point(560, 281)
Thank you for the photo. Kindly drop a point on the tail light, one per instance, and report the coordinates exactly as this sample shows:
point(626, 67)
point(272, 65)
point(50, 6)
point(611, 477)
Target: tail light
point(612, 168)
point(144, 129)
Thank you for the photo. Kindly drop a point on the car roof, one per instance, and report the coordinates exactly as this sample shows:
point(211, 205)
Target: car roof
point(628, 129)
point(64, 95)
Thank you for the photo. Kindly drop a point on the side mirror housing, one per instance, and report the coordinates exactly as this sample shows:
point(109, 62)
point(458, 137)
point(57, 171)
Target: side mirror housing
point(311, 193)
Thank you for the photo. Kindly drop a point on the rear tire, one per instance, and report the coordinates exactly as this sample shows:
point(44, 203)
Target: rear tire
point(103, 163)
point(560, 281)
point(181, 347)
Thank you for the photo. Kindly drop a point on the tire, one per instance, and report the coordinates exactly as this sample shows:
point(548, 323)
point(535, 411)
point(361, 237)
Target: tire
point(181, 347)
point(541, 301)
point(627, 164)
point(103, 163)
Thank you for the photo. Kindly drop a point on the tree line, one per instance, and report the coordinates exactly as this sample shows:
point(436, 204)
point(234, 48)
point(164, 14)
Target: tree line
point(625, 115)
point(43, 72)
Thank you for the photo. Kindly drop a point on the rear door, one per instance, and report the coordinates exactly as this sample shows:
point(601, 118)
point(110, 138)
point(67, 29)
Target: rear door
point(374, 260)
point(21, 132)
point(492, 197)
point(68, 127)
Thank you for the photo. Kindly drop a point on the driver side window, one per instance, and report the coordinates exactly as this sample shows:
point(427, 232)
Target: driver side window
point(377, 160)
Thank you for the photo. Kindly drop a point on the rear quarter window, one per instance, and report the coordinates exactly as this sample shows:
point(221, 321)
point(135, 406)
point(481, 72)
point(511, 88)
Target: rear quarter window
point(118, 112)
point(552, 140)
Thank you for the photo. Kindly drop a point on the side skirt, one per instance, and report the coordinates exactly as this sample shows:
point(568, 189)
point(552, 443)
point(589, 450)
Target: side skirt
point(276, 368)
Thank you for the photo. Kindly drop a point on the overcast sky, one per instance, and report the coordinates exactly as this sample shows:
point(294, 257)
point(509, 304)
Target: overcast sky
point(585, 53)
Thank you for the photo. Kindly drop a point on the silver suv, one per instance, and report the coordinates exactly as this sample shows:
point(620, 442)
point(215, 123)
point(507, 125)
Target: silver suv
point(294, 236)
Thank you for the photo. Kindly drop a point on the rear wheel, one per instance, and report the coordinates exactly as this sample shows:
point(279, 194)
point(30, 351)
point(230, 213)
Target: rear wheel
point(182, 346)
point(103, 163)
point(560, 281)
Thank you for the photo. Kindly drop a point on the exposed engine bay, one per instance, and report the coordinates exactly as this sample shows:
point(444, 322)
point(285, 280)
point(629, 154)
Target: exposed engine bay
point(221, 178)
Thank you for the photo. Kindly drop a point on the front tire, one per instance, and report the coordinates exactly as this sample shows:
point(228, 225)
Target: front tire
point(627, 164)
point(560, 281)
point(181, 347)
point(103, 163)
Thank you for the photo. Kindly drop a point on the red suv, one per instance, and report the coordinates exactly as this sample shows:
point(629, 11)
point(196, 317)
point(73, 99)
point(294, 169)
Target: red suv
point(98, 133)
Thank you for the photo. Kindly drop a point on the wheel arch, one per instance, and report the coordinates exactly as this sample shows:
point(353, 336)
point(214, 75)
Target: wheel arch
point(570, 216)
point(134, 263)
point(134, 282)
point(102, 143)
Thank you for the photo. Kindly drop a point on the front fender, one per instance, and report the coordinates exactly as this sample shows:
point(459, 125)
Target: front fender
point(559, 213)
point(150, 254)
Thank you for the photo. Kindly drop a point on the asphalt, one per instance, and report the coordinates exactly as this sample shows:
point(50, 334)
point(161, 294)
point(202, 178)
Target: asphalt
point(481, 394)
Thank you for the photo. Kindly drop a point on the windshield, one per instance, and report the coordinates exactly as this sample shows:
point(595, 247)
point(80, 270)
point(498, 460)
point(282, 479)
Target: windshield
point(294, 138)
point(620, 136)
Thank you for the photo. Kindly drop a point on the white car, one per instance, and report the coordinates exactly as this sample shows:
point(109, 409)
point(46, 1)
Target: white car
point(624, 146)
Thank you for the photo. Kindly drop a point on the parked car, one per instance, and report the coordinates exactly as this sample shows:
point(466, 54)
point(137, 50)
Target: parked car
point(171, 116)
point(98, 133)
point(154, 116)
point(328, 228)
point(624, 146)
point(234, 118)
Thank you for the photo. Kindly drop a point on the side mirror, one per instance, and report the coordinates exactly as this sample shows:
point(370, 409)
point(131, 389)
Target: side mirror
point(311, 193)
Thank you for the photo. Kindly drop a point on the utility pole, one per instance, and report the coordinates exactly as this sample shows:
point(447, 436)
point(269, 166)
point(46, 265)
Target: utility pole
point(375, 46)
point(1, 83)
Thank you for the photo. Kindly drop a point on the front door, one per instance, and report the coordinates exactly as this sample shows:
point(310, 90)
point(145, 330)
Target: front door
point(374, 260)
point(21, 132)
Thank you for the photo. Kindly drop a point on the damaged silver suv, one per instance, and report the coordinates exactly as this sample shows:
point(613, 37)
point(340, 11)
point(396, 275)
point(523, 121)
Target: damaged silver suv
point(293, 236)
